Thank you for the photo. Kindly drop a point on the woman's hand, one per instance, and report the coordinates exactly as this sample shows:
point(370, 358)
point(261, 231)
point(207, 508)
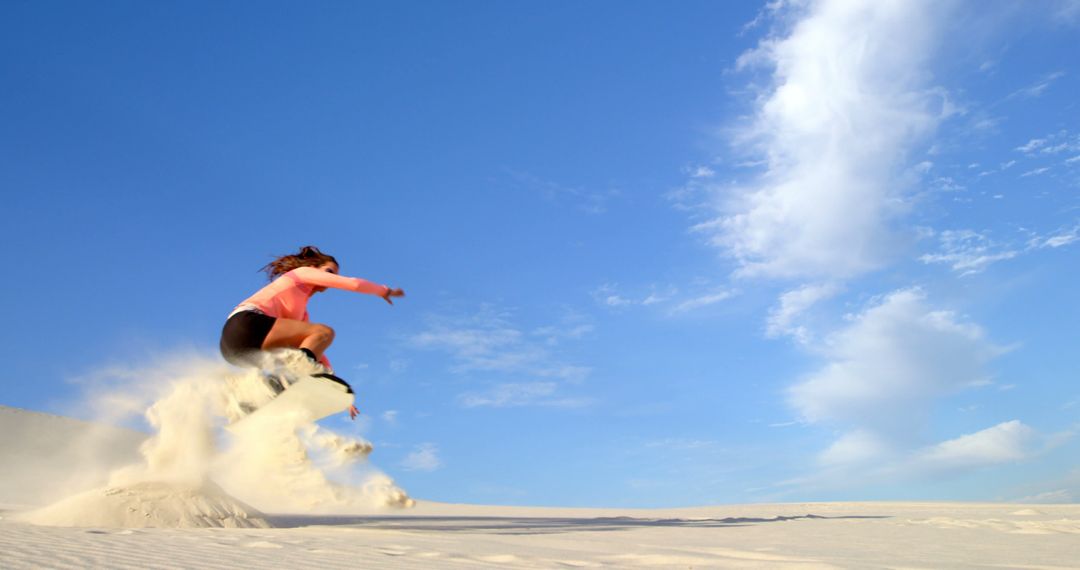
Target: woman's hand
point(353, 412)
point(392, 293)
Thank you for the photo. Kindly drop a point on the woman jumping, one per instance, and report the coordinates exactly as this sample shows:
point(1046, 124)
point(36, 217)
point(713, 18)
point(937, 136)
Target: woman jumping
point(276, 316)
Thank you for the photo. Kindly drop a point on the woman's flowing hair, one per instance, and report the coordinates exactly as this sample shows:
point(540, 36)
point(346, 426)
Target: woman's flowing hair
point(308, 256)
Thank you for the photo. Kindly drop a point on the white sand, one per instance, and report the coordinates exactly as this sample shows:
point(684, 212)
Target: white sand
point(839, 535)
point(44, 457)
point(431, 535)
point(149, 504)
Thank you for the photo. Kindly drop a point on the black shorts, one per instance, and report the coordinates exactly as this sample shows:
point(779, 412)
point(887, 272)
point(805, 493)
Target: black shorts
point(243, 335)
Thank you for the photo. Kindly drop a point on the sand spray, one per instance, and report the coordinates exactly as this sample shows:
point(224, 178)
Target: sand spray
point(194, 472)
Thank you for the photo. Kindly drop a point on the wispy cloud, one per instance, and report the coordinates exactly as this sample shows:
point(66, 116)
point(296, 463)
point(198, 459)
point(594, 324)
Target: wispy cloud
point(702, 301)
point(1062, 489)
point(1039, 87)
point(968, 252)
point(783, 317)
point(847, 102)
point(572, 328)
point(1060, 239)
point(516, 394)
point(1054, 143)
point(1035, 172)
point(489, 342)
point(608, 295)
point(1031, 146)
point(425, 457)
point(702, 294)
point(1067, 12)
point(683, 443)
point(701, 172)
point(1056, 497)
point(589, 201)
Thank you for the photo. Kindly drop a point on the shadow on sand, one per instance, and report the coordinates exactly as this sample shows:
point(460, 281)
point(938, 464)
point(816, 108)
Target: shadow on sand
point(527, 525)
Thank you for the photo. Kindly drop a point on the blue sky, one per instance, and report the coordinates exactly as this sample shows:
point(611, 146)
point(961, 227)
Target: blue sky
point(655, 254)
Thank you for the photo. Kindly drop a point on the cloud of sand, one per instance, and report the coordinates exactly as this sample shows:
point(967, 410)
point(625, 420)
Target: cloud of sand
point(193, 461)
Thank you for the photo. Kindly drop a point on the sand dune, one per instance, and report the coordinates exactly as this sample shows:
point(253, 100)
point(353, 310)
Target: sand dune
point(150, 504)
point(47, 456)
point(203, 527)
point(838, 535)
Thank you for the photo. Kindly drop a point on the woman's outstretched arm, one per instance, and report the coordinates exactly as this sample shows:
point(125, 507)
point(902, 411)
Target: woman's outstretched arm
point(320, 278)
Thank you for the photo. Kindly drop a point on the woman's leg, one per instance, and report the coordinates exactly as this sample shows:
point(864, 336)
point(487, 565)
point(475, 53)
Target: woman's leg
point(290, 333)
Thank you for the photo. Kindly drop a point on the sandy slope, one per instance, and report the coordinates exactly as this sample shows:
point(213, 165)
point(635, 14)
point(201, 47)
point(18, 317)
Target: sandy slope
point(43, 456)
point(834, 535)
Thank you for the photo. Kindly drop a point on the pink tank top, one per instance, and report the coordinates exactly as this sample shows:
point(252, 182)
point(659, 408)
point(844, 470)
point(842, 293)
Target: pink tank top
point(287, 296)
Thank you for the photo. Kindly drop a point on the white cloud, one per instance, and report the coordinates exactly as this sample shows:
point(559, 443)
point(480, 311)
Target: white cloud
point(1039, 87)
point(390, 416)
point(683, 444)
point(1054, 143)
point(589, 201)
point(1056, 497)
point(879, 457)
point(886, 371)
point(702, 301)
point(1035, 172)
point(703, 295)
point(792, 305)
point(655, 298)
point(1067, 12)
point(848, 102)
point(572, 326)
point(702, 172)
point(1031, 146)
point(968, 252)
point(488, 341)
point(891, 362)
point(855, 448)
point(616, 301)
point(554, 334)
point(1062, 238)
point(425, 457)
point(607, 295)
point(1004, 443)
point(520, 394)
